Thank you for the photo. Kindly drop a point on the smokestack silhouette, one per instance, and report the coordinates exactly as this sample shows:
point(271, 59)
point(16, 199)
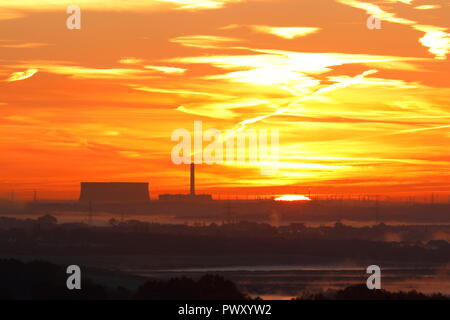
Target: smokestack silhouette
point(192, 179)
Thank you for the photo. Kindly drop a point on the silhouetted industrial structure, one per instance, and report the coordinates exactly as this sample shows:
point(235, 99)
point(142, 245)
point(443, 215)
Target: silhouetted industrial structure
point(114, 192)
point(192, 179)
point(191, 195)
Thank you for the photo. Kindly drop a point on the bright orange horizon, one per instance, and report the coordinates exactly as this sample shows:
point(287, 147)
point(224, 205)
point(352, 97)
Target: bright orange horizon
point(359, 111)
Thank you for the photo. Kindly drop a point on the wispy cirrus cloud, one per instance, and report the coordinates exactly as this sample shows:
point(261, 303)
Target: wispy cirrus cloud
point(374, 9)
point(165, 69)
point(286, 32)
point(162, 69)
point(180, 92)
point(81, 72)
point(282, 32)
point(228, 109)
point(294, 77)
point(427, 7)
point(203, 41)
point(22, 75)
point(199, 4)
point(12, 44)
point(26, 45)
point(437, 39)
point(371, 81)
point(16, 9)
point(130, 60)
point(268, 63)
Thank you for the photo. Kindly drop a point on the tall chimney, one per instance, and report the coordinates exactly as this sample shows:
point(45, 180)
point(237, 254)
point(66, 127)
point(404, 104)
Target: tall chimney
point(192, 179)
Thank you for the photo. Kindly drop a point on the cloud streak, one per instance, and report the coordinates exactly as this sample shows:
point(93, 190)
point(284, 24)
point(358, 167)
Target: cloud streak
point(282, 32)
point(22, 75)
point(203, 41)
point(437, 39)
point(15, 9)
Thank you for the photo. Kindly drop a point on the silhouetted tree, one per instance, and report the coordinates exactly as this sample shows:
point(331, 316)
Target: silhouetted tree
point(208, 287)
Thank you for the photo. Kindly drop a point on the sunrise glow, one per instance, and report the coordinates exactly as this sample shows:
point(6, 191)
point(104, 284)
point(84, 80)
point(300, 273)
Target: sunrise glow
point(357, 112)
point(292, 197)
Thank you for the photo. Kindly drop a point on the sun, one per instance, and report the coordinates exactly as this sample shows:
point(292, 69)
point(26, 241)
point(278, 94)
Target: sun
point(292, 197)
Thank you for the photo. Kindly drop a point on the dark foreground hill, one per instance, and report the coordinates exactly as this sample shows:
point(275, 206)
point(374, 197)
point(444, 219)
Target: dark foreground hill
point(39, 280)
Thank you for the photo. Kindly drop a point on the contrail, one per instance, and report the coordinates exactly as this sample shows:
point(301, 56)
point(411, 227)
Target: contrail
point(243, 124)
point(354, 80)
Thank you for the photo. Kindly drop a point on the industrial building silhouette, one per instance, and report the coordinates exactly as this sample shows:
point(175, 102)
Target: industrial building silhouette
point(104, 192)
point(114, 192)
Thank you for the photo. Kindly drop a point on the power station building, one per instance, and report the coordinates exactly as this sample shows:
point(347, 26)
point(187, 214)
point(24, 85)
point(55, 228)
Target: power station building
point(126, 192)
point(114, 192)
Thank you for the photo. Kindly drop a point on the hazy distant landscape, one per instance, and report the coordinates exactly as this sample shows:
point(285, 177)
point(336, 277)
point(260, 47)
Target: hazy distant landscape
point(225, 150)
point(274, 259)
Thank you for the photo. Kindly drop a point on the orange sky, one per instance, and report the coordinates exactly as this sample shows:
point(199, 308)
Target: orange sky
point(100, 103)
